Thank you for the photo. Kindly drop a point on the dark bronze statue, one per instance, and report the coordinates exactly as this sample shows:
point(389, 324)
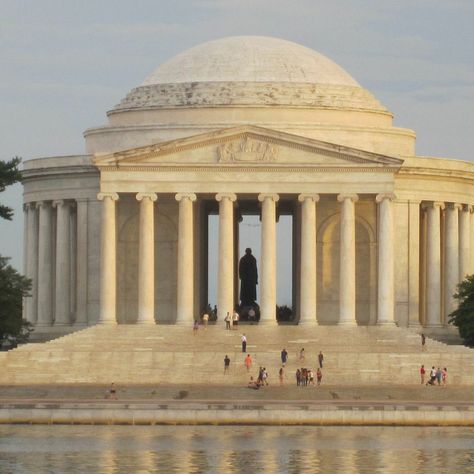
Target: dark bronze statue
point(248, 278)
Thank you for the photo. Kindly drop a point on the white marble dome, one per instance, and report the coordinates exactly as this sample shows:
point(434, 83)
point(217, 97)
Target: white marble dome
point(250, 59)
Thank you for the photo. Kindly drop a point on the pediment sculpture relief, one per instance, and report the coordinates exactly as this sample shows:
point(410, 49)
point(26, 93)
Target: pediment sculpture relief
point(247, 150)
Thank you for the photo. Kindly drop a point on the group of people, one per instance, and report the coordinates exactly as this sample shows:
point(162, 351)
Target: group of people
point(231, 320)
point(305, 377)
point(261, 381)
point(437, 376)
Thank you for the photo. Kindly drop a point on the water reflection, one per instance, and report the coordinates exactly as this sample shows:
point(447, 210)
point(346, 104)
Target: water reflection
point(148, 449)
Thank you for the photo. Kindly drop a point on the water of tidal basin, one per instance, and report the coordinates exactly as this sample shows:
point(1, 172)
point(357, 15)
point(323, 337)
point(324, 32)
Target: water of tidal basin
point(242, 449)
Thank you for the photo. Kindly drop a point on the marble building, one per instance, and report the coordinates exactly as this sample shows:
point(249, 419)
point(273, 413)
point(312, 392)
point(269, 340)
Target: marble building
point(246, 125)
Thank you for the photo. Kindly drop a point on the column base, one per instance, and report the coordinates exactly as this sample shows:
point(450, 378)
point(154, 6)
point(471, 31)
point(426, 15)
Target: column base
point(268, 323)
point(146, 322)
point(184, 323)
point(385, 323)
point(308, 323)
point(347, 323)
point(435, 325)
point(106, 322)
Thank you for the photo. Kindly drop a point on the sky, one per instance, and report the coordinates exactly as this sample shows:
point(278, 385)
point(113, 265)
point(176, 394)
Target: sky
point(64, 63)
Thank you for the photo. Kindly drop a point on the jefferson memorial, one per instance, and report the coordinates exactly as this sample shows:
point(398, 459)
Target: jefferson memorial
point(246, 126)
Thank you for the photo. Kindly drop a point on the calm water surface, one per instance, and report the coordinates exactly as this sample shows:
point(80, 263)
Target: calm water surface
point(141, 449)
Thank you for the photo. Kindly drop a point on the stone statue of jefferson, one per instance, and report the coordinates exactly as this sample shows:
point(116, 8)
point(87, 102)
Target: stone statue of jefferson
point(248, 278)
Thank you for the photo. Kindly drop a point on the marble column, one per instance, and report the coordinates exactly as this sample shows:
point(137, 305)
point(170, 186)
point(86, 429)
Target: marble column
point(308, 259)
point(464, 241)
point(63, 264)
point(451, 255)
point(45, 268)
point(268, 259)
point(433, 263)
point(108, 260)
point(185, 303)
point(81, 261)
point(385, 295)
point(31, 256)
point(146, 260)
point(225, 270)
point(347, 272)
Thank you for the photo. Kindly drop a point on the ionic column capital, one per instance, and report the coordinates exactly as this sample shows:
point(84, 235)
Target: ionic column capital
point(467, 208)
point(432, 204)
point(313, 197)
point(141, 196)
point(221, 196)
point(263, 196)
point(342, 197)
point(453, 206)
point(383, 196)
point(103, 196)
point(59, 202)
point(42, 204)
point(180, 196)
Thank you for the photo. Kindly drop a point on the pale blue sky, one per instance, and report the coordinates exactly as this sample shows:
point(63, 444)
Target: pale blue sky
point(64, 63)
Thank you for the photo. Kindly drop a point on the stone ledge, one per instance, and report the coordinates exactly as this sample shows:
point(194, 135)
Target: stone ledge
point(194, 413)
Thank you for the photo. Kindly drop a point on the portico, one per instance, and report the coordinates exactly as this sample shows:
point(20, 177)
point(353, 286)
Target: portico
point(316, 176)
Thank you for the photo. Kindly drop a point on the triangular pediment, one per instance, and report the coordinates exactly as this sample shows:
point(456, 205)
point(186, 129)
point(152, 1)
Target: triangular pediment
point(246, 146)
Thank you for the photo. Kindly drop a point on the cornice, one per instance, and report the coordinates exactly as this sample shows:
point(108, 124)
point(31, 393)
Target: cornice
point(249, 169)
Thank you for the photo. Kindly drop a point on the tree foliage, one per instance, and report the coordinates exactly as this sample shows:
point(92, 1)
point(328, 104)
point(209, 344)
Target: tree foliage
point(13, 288)
point(9, 174)
point(463, 316)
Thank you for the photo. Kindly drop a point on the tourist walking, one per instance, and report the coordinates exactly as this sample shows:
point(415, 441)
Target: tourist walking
point(432, 379)
point(302, 356)
point(320, 359)
point(264, 376)
point(311, 377)
point(244, 343)
point(195, 326)
point(319, 376)
point(298, 377)
point(444, 376)
point(422, 374)
point(205, 319)
point(226, 363)
point(248, 362)
point(438, 375)
point(235, 318)
point(423, 342)
point(281, 375)
point(284, 357)
point(227, 320)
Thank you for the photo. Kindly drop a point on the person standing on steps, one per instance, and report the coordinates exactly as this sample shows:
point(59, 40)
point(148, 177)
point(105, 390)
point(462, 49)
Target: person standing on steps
point(248, 362)
point(319, 376)
point(423, 342)
point(227, 320)
point(284, 357)
point(205, 319)
point(320, 359)
point(244, 343)
point(422, 374)
point(226, 364)
point(281, 375)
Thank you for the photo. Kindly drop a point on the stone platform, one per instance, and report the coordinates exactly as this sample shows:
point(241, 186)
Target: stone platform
point(160, 354)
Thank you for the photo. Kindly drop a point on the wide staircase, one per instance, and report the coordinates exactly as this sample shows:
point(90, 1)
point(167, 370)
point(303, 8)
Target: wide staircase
point(141, 354)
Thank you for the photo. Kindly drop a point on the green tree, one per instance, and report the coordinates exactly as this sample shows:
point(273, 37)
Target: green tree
point(13, 286)
point(9, 174)
point(463, 316)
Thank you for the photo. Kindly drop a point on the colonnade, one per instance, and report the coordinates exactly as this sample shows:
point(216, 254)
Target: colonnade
point(56, 261)
point(225, 291)
point(457, 256)
point(57, 246)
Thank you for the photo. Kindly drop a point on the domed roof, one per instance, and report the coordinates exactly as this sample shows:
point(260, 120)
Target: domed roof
point(250, 59)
